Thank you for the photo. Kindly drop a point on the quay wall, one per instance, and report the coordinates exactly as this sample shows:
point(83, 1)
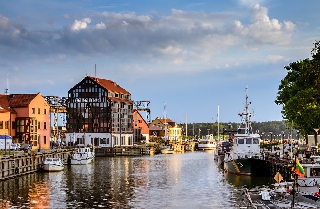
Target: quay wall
point(19, 163)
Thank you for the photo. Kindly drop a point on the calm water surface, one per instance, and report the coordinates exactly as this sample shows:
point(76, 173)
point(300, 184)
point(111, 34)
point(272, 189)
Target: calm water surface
point(188, 180)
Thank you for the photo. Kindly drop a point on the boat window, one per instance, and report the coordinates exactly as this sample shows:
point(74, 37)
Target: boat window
point(240, 141)
point(315, 172)
point(249, 141)
point(255, 141)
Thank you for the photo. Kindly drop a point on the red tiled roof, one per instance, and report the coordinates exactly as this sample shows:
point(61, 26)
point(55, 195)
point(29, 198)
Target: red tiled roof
point(162, 120)
point(20, 100)
point(155, 128)
point(4, 104)
point(109, 85)
point(120, 100)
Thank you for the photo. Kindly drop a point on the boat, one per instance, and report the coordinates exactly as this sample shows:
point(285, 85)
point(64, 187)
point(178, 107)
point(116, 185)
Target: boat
point(52, 164)
point(84, 155)
point(207, 144)
point(221, 149)
point(311, 167)
point(244, 157)
point(167, 150)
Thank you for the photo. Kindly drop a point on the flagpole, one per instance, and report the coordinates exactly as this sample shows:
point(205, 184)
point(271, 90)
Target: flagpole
point(295, 176)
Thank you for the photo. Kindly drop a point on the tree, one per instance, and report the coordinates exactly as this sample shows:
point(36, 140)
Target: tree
point(299, 92)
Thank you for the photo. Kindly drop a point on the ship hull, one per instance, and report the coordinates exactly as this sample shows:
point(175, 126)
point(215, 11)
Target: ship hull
point(248, 166)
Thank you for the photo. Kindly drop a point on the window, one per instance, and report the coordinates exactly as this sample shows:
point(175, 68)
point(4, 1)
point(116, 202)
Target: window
point(45, 111)
point(39, 111)
point(44, 125)
point(44, 139)
point(249, 141)
point(1, 124)
point(241, 141)
point(33, 111)
point(38, 125)
point(6, 124)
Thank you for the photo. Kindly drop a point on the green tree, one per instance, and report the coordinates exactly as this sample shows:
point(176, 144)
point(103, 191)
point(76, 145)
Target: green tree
point(299, 92)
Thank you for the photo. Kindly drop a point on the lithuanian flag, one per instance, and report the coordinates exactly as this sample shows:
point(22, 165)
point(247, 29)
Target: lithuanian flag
point(298, 169)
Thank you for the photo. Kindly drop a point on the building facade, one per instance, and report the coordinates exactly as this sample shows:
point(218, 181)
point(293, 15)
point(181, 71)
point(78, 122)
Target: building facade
point(140, 128)
point(99, 112)
point(26, 118)
point(171, 132)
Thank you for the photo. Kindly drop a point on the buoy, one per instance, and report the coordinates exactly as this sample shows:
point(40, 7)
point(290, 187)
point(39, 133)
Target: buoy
point(316, 194)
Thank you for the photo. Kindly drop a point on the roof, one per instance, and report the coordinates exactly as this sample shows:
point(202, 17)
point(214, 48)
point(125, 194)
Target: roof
point(20, 100)
point(109, 85)
point(155, 128)
point(135, 110)
point(5, 137)
point(4, 103)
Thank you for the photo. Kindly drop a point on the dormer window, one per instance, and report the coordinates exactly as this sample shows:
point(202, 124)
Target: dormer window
point(116, 95)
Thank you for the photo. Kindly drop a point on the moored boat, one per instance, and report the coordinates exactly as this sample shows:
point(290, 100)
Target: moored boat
point(83, 155)
point(52, 164)
point(207, 144)
point(245, 157)
point(167, 150)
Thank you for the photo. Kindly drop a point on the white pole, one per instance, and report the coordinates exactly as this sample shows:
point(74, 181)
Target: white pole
point(218, 124)
point(186, 125)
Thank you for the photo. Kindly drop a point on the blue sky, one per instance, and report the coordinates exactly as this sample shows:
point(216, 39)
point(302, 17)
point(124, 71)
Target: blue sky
point(194, 56)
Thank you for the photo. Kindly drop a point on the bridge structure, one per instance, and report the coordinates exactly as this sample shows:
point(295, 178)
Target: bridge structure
point(144, 106)
point(58, 111)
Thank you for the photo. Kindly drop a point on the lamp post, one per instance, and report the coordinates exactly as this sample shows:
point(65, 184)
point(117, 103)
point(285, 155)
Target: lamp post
point(283, 142)
point(39, 143)
point(262, 141)
point(271, 141)
point(316, 136)
point(5, 143)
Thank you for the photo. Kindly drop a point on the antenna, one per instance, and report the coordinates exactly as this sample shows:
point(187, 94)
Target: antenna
point(6, 91)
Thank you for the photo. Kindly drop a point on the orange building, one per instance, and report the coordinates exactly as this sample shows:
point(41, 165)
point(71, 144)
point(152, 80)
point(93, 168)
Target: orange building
point(26, 117)
point(140, 127)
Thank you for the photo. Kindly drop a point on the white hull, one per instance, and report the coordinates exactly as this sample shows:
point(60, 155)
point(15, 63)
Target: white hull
point(49, 167)
point(167, 151)
point(82, 156)
point(81, 161)
point(52, 164)
point(206, 146)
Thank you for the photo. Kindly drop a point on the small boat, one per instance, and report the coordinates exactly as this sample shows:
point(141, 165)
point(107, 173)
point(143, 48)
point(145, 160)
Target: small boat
point(208, 143)
point(167, 150)
point(52, 164)
point(84, 155)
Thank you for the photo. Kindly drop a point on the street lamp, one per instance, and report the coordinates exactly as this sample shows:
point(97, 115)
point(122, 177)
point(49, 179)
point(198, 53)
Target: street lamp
point(271, 141)
point(316, 136)
point(282, 142)
point(5, 143)
point(39, 142)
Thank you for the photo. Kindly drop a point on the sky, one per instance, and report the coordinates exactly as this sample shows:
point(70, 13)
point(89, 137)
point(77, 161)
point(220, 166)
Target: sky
point(191, 59)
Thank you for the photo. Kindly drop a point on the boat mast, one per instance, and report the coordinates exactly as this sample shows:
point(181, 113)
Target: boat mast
point(218, 124)
point(246, 114)
point(165, 123)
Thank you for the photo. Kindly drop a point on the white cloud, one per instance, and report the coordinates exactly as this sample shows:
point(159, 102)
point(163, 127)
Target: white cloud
point(4, 23)
point(80, 24)
point(101, 26)
point(276, 59)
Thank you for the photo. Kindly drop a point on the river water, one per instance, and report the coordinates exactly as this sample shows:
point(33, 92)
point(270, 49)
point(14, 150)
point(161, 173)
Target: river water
point(187, 180)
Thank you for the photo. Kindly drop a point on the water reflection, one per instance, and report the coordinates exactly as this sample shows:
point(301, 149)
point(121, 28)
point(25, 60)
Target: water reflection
point(188, 180)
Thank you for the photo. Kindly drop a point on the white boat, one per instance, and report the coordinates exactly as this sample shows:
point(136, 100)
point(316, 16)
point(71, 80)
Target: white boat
point(245, 157)
point(83, 156)
point(52, 164)
point(167, 150)
point(207, 144)
point(311, 168)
